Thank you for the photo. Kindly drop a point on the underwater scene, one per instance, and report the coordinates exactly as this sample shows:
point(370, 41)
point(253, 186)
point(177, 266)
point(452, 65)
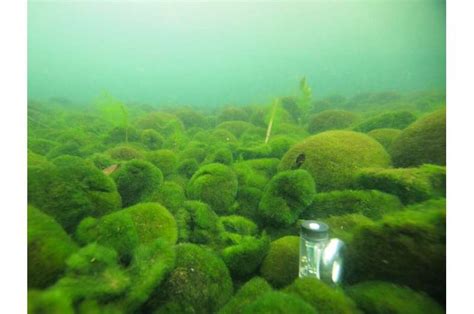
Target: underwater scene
point(236, 157)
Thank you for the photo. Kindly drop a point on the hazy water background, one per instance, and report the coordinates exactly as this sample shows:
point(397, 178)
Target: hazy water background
point(220, 52)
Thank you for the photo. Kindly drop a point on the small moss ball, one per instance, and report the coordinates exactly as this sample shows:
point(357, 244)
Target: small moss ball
point(248, 293)
point(151, 139)
point(422, 142)
point(48, 248)
point(200, 282)
point(125, 152)
point(331, 120)
point(165, 159)
point(332, 157)
point(371, 203)
point(124, 230)
point(214, 184)
point(380, 297)
point(343, 227)
point(278, 302)
point(171, 195)
point(323, 298)
point(70, 188)
point(286, 196)
point(281, 265)
point(137, 181)
point(385, 136)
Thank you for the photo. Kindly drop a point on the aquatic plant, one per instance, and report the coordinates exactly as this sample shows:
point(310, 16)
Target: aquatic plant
point(248, 293)
point(164, 159)
point(278, 302)
point(286, 196)
point(48, 248)
point(380, 297)
point(280, 266)
point(392, 120)
point(385, 136)
point(411, 185)
point(323, 298)
point(215, 184)
point(128, 228)
point(199, 283)
point(70, 188)
point(422, 142)
point(151, 139)
point(407, 248)
point(137, 181)
point(371, 203)
point(331, 120)
point(333, 157)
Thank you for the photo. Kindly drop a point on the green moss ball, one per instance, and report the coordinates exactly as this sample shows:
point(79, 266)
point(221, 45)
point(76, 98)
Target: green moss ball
point(70, 188)
point(380, 297)
point(198, 223)
point(278, 302)
point(411, 185)
point(248, 293)
point(52, 301)
point(125, 152)
point(214, 184)
point(124, 230)
point(371, 203)
point(137, 181)
point(392, 120)
point(332, 157)
point(422, 142)
point(286, 196)
point(171, 195)
point(407, 248)
point(281, 265)
point(323, 298)
point(385, 136)
point(151, 139)
point(165, 159)
point(331, 120)
point(343, 227)
point(48, 248)
point(199, 283)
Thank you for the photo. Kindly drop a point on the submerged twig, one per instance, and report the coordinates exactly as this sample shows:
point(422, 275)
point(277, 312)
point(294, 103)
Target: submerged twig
point(270, 124)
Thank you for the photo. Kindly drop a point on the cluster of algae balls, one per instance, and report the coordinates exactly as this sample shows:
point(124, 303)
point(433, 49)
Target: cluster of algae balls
point(189, 211)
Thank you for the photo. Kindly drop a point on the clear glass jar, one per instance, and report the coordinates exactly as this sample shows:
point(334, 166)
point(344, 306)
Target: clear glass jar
point(320, 257)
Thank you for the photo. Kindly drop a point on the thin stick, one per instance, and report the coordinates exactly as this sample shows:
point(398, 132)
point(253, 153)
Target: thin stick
point(270, 124)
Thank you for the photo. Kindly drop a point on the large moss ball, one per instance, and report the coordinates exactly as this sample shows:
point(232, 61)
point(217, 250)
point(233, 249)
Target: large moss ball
point(325, 299)
point(124, 230)
point(137, 181)
point(200, 282)
point(281, 265)
point(286, 196)
point(385, 136)
point(214, 184)
point(424, 141)
point(332, 157)
point(407, 248)
point(48, 249)
point(70, 188)
point(380, 297)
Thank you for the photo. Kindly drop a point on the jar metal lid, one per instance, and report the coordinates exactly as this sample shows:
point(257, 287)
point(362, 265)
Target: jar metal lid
point(314, 230)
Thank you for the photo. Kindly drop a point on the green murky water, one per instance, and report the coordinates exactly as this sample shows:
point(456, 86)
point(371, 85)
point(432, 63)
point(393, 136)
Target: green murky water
point(174, 149)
